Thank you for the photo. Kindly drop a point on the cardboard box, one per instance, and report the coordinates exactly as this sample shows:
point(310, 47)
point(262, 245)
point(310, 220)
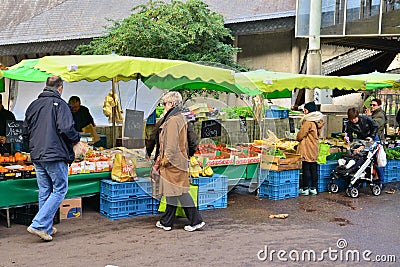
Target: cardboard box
point(71, 208)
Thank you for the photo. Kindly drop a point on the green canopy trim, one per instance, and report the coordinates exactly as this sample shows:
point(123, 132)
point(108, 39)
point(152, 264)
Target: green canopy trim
point(106, 67)
point(268, 81)
point(24, 71)
point(378, 80)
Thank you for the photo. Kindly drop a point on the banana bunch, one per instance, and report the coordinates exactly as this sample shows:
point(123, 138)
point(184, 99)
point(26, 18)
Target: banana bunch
point(194, 168)
point(207, 171)
point(287, 145)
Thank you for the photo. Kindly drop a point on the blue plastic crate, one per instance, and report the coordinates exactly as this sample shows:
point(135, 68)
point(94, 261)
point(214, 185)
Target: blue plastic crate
point(391, 177)
point(156, 204)
point(272, 192)
point(152, 118)
point(117, 217)
point(213, 200)
point(325, 170)
point(392, 164)
point(277, 113)
point(215, 183)
point(323, 184)
point(111, 190)
point(126, 207)
point(279, 177)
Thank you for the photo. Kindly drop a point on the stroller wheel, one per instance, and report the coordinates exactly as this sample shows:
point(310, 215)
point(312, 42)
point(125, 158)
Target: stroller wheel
point(332, 187)
point(376, 190)
point(353, 192)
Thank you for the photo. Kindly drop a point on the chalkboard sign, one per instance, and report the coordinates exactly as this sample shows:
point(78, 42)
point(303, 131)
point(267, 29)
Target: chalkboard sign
point(291, 125)
point(14, 132)
point(243, 124)
point(133, 124)
point(210, 128)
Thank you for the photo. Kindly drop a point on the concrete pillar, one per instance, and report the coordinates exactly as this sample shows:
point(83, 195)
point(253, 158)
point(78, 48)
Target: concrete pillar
point(314, 53)
point(296, 55)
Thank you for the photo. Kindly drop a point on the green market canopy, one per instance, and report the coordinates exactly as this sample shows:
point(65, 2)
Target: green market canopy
point(378, 80)
point(162, 73)
point(280, 84)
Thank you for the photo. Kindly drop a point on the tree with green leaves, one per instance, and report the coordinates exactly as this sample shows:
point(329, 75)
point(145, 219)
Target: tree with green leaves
point(177, 30)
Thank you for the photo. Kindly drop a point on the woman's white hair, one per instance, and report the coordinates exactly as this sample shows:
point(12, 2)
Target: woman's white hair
point(173, 97)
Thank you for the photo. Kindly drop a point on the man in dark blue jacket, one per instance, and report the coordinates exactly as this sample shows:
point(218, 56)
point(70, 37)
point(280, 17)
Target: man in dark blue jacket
point(49, 128)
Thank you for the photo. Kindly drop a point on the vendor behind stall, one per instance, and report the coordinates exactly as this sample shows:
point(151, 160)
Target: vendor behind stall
point(81, 114)
point(5, 115)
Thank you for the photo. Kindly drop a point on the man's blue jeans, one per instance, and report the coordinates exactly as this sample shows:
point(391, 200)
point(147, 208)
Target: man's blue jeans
point(52, 180)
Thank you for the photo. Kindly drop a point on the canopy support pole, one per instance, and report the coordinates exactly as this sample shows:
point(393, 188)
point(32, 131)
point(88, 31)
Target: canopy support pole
point(136, 88)
point(114, 113)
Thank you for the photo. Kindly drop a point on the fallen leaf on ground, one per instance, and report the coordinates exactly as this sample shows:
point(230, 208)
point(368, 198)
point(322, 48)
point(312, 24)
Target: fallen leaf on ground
point(278, 216)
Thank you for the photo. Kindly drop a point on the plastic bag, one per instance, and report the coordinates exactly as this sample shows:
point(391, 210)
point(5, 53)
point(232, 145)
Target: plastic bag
point(80, 150)
point(381, 157)
point(124, 168)
point(323, 152)
point(193, 191)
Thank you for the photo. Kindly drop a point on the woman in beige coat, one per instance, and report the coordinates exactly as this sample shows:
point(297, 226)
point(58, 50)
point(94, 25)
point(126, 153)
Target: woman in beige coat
point(176, 143)
point(308, 137)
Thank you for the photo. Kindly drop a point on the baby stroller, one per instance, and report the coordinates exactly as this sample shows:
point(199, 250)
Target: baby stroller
point(356, 167)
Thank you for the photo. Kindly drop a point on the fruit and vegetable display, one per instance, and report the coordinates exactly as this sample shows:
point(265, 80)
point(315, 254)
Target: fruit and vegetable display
point(17, 166)
point(196, 170)
point(393, 153)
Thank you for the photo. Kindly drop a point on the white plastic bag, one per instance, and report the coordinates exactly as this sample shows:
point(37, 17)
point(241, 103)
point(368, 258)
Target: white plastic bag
point(80, 150)
point(381, 158)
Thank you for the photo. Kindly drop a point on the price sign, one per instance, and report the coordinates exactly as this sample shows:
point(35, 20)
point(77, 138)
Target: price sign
point(133, 124)
point(210, 128)
point(14, 132)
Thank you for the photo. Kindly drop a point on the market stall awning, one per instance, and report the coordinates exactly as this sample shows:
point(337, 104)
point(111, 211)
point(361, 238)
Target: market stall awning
point(268, 81)
point(25, 71)
point(162, 73)
point(378, 80)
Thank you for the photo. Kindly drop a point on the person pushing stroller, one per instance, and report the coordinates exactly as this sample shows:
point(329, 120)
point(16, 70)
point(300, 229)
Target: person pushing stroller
point(365, 128)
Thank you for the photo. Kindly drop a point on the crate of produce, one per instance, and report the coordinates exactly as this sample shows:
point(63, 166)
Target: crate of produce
point(215, 183)
point(279, 177)
point(126, 208)
point(24, 215)
point(111, 190)
point(276, 163)
point(279, 192)
point(277, 113)
point(212, 200)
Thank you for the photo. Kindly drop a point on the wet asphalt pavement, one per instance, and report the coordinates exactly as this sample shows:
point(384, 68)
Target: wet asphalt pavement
point(236, 236)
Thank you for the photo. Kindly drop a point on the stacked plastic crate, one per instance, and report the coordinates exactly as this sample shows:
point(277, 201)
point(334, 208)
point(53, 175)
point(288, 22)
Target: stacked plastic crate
point(392, 171)
point(276, 185)
point(324, 175)
point(213, 192)
point(125, 200)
